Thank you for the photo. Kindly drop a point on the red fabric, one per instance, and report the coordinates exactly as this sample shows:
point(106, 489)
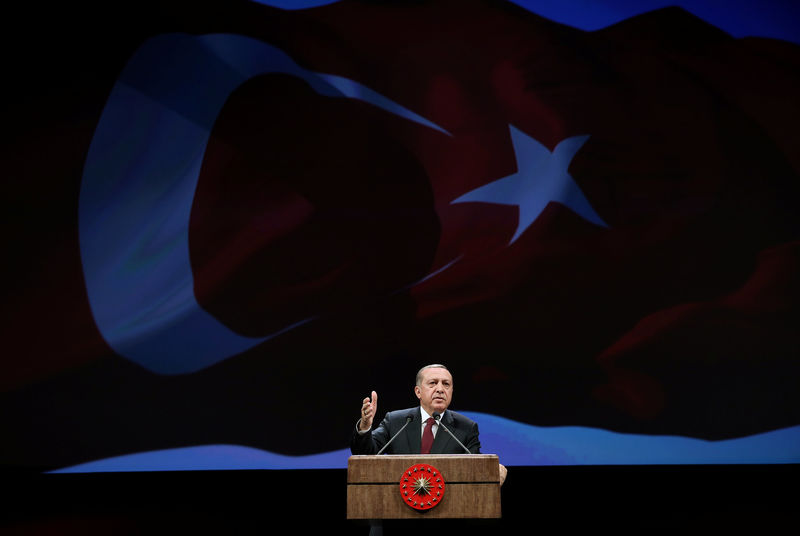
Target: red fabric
point(427, 437)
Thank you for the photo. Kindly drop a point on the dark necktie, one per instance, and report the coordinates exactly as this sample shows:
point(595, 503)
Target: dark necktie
point(427, 436)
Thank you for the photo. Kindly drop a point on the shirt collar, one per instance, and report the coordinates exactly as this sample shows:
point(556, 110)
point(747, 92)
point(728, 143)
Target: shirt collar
point(425, 415)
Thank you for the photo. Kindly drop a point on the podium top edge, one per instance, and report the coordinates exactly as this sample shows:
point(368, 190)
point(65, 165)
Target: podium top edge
point(422, 456)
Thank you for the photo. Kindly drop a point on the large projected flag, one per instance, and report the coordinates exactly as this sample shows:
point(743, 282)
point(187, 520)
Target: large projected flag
point(226, 227)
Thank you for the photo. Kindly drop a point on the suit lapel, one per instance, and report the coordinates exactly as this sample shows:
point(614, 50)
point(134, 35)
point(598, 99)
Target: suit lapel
point(441, 443)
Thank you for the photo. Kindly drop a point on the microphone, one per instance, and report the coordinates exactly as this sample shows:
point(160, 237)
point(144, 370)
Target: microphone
point(438, 418)
point(408, 420)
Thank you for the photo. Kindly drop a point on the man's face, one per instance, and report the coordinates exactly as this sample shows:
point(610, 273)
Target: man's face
point(435, 390)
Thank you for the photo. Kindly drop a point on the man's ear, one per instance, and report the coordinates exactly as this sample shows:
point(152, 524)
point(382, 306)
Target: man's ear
point(417, 391)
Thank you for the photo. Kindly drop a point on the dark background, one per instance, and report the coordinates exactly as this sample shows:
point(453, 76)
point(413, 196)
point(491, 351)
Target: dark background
point(618, 499)
point(62, 63)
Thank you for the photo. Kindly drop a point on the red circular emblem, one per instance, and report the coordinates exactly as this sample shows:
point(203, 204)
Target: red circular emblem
point(422, 486)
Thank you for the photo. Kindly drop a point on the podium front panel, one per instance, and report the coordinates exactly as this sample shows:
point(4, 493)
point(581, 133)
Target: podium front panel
point(472, 486)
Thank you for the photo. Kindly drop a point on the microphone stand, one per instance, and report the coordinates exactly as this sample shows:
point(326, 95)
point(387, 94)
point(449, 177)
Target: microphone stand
point(438, 418)
point(408, 420)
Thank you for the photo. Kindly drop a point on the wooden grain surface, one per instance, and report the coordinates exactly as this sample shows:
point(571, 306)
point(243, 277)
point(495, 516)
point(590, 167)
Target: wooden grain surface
point(454, 467)
point(472, 486)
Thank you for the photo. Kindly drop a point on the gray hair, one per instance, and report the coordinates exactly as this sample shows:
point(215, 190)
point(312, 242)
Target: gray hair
point(435, 365)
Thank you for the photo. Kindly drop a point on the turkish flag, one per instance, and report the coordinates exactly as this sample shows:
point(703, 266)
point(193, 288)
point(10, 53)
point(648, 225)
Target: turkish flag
point(588, 228)
point(684, 164)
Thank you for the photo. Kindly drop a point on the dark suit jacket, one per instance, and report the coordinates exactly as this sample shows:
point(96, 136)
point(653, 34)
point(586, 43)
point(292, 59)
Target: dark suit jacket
point(410, 440)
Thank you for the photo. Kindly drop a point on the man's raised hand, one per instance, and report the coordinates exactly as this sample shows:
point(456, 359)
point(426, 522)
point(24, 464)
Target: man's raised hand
point(369, 407)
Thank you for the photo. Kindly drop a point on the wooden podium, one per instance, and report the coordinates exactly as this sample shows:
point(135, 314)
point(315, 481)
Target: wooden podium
point(472, 484)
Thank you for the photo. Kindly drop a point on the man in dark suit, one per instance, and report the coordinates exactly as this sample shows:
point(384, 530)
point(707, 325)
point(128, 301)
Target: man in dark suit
point(434, 388)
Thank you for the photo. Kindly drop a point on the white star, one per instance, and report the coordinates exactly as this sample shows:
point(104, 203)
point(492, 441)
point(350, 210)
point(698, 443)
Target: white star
point(541, 177)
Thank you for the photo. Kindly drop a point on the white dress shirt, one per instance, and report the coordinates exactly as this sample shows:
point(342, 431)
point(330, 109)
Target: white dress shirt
point(425, 418)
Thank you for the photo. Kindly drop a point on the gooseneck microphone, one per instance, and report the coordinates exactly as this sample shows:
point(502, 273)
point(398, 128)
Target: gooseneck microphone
point(408, 420)
point(438, 418)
